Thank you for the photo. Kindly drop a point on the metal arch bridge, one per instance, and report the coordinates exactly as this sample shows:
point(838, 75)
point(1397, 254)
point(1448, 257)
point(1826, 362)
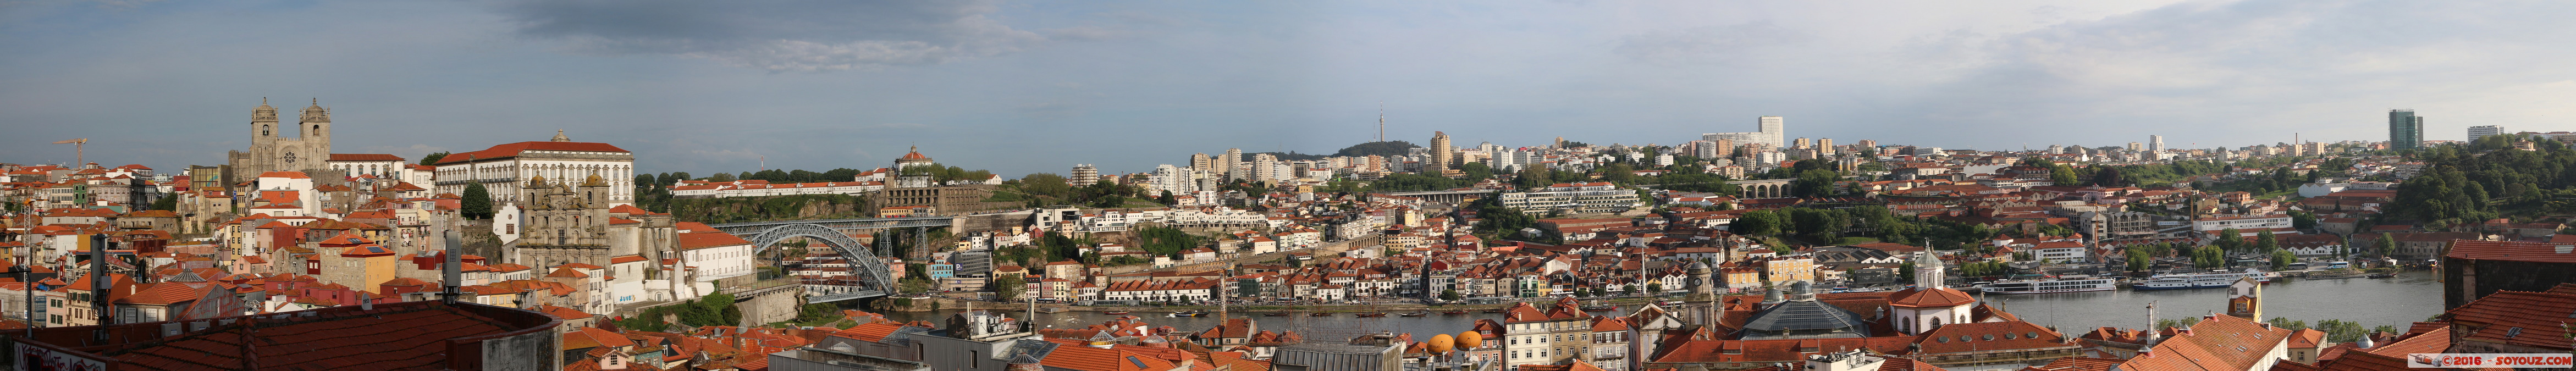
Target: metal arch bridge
point(869, 275)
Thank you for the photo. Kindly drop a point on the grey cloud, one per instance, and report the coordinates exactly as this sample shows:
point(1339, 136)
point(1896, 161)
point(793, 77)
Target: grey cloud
point(2292, 64)
point(776, 36)
point(1707, 43)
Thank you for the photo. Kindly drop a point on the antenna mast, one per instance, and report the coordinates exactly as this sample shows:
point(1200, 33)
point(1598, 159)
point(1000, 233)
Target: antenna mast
point(1381, 121)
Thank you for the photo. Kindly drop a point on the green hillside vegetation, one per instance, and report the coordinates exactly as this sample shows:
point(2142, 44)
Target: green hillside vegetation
point(1048, 189)
point(2487, 179)
point(1386, 148)
point(745, 209)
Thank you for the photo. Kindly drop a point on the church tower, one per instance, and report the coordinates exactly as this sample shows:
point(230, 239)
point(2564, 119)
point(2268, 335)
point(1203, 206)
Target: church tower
point(1928, 271)
point(263, 123)
point(316, 126)
point(1930, 303)
point(2245, 299)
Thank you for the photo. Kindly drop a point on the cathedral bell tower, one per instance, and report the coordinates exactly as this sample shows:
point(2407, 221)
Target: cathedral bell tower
point(316, 130)
point(263, 122)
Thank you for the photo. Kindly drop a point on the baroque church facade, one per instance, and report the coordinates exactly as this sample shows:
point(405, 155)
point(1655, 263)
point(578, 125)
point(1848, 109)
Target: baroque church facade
point(564, 223)
point(270, 150)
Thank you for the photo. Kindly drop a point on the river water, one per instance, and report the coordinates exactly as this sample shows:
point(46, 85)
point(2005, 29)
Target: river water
point(2410, 297)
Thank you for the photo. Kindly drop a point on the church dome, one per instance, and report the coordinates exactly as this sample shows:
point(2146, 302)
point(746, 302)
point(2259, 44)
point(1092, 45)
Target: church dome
point(263, 106)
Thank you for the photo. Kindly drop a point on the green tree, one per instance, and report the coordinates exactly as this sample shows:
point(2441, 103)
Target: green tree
point(2341, 331)
point(2139, 261)
point(2285, 322)
point(1815, 183)
point(2281, 259)
point(1655, 288)
point(2176, 322)
point(432, 158)
point(1758, 223)
point(1008, 287)
point(2386, 246)
point(2062, 175)
point(166, 203)
point(711, 310)
point(477, 204)
point(2230, 239)
point(2266, 242)
point(1477, 171)
point(2106, 176)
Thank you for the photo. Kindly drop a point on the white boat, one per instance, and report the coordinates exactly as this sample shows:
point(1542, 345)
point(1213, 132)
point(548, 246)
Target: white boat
point(2199, 280)
point(2073, 283)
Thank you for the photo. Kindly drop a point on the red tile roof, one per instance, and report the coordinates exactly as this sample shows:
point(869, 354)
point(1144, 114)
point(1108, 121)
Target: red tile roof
point(2537, 314)
point(365, 157)
point(2215, 343)
point(694, 241)
point(2512, 251)
point(399, 338)
point(513, 149)
point(1922, 298)
point(1991, 336)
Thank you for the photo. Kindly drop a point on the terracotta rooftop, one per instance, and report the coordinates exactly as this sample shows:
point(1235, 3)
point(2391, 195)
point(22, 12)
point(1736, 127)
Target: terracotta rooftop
point(400, 336)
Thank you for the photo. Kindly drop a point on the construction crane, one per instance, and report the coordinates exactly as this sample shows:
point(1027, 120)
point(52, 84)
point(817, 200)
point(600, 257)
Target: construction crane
point(78, 158)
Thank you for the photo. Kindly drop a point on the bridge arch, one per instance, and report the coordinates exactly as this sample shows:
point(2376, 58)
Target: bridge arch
point(869, 276)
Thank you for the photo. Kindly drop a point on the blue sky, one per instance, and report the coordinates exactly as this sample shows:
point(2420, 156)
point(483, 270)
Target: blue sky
point(1021, 87)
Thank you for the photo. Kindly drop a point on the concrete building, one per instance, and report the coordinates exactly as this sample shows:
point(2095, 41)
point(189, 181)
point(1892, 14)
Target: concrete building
point(1084, 175)
point(1594, 197)
point(383, 166)
point(2476, 132)
point(1769, 129)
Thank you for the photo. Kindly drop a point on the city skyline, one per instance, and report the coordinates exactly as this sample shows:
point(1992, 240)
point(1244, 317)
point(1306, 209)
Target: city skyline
point(988, 85)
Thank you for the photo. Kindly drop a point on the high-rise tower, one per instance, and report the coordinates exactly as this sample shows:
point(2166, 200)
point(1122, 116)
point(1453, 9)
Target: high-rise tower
point(1440, 156)
point(1773, 130)
point(2155, 143)
point(2405, 129)
point(1225, 165)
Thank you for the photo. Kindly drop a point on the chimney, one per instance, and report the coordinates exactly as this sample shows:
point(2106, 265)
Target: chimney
point(98, 285)
point(452, 273)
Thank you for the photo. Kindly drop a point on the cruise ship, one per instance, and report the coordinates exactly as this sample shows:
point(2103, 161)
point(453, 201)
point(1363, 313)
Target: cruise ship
point(2199, 280)
point(2072, 283)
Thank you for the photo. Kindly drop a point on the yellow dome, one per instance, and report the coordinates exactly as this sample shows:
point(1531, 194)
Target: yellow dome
point(1470, 340)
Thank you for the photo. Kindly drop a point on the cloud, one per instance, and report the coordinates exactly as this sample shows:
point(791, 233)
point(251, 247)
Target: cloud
point(1706, 43)
point(804, 36)
point(122, 4)
point(2290, 64)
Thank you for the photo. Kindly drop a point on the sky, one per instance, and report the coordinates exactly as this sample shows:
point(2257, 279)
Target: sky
point(1038, 86)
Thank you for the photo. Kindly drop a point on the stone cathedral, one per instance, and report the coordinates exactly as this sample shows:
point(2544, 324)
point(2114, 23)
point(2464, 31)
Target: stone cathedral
point(270, 150)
